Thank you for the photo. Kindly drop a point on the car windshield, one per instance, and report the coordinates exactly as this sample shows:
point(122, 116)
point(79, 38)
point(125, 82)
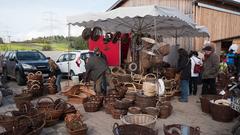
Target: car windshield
point(30, 56)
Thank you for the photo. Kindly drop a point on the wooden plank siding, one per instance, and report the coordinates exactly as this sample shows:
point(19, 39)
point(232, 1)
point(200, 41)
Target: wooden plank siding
point(221, 25)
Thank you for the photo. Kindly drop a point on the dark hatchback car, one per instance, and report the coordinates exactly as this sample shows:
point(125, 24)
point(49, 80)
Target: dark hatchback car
point(17, 64)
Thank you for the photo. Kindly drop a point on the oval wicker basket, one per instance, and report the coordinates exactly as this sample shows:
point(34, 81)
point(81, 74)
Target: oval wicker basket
point(116, 113)
point(221, 113)
point(205, 102)
point(140, 119)
point(132, 129)
point(151, 111)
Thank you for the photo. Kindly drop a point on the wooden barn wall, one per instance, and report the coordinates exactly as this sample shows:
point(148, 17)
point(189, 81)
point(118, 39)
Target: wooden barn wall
point(221, 25)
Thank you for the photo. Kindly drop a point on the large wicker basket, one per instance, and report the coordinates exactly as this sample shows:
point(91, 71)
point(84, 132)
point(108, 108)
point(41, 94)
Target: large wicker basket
point(205, 102)
point(221, 113)
point(140, 119)
point(176, 129)
point(132, 129)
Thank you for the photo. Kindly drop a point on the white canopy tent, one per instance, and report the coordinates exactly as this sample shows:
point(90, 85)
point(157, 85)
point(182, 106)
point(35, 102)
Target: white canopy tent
point(152, 19)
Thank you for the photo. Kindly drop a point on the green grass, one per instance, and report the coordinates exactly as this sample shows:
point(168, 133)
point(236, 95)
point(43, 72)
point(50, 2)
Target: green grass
point(33, 46)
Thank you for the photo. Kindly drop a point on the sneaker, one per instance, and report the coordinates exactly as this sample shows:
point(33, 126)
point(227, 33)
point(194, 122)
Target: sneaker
point(183, 100)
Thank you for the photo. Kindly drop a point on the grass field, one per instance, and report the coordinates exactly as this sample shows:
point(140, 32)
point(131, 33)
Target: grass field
point(33, 46)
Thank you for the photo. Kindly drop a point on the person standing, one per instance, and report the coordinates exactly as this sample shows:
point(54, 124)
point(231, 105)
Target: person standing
point(210, 71)
point(194, 75)
point(230, 61)
point(100, 54)
point(184, 68)
point(96, 69)
point(55, 71)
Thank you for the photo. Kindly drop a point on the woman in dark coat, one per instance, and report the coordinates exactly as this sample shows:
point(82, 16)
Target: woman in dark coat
point(184, 68)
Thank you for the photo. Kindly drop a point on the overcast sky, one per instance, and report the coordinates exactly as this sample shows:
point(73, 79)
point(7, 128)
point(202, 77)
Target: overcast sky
point(24, 19)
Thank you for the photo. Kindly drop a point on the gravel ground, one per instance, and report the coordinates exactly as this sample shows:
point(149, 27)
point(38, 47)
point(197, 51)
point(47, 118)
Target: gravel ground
point(100, 123)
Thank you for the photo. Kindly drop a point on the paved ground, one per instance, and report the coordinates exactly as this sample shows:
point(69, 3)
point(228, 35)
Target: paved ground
point(100, 123)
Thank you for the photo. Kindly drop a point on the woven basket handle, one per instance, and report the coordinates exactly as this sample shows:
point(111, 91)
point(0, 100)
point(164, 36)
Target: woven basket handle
point(121, 71)
point(133, 86)
point(135, 77)
point(34, 85)
point(114, 68)
point(56, 107)
point(150, 74)
point(45, 98)
point(38, 73)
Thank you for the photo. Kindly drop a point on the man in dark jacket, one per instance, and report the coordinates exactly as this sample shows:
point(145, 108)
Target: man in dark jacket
point(210, 71)
point(96, 68)
point(184, 68)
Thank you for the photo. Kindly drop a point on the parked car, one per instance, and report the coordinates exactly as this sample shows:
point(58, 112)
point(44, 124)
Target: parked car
point(75, 60)
point(17, 64)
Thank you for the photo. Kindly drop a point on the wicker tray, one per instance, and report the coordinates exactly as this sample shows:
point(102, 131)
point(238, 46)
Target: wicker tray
point(140, 119)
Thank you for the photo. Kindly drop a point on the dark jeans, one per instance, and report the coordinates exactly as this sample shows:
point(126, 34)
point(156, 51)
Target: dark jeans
point(209, 86)
point(184, 88)
point(193, 85)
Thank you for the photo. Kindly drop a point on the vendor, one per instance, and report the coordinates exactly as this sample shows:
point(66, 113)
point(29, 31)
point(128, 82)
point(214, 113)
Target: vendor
point(55, 71)
point(96, 69)
point(100, 54)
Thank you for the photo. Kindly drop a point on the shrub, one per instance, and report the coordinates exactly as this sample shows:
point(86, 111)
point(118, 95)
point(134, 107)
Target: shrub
point(47, 48)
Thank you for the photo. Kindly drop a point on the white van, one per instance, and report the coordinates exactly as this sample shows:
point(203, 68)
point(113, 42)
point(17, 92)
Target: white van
point(74, 60)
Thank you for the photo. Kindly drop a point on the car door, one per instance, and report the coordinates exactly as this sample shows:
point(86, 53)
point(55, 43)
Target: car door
point(60, 62)
point(12, 64)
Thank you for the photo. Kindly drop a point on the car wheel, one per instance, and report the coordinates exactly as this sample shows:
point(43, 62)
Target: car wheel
point(19, 78)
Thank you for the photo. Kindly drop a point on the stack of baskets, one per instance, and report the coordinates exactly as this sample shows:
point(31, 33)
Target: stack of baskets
point(52, 109)
point(52, 88)
point(120, 107)
point(35, 84)
point(143, 101)
point(75, 125)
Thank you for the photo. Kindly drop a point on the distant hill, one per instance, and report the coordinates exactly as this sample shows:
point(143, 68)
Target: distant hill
point(53, 43)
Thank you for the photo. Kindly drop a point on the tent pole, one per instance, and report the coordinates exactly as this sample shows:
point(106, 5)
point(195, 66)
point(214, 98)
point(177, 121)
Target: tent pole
point(69, 35)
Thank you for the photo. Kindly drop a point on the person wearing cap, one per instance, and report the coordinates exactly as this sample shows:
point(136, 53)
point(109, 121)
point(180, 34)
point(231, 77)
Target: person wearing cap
point(210, 71)
point(100, 54)
point(184, 68)
point(96, 69)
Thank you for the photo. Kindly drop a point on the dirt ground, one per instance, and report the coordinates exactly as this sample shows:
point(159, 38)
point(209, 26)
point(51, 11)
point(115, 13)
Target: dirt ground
point(100, 123)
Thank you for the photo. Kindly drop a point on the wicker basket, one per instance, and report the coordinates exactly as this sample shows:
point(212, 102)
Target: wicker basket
point(221, 113)
point(7, 121)
point(140, 119)
point(176, 129)
point(91, 106)
point(132, 129)
point(81, 131)
point(44, 104)
point(143, 101)
point(205, 102)
point(134, 110)
point(150, 77)
point(151, 111)
point(116, 113)
point(123, 104)
point(22, 98)
point(130, 95)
